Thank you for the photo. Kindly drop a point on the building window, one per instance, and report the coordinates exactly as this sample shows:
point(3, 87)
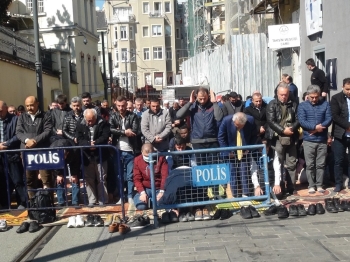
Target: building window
point(177, 33)
point(148, 79)
point(156, 30)
point(145, 32)
point(145, 7)
point(121, 14)
point(123, 34)
point(158, 8)
point(116, 55)
point(131, 32)
point(40, 6)
point(168, 53)
point(132, 55)
point(167, 30)
point(157, 53)
point(124, 54)
point(167, 7)
point(116, 32)
point(146, 53)
point(158, 78)
point(177, 54)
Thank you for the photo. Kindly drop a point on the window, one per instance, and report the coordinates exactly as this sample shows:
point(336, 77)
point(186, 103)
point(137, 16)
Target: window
point(116, 33)
point(116, 55)
point(146, 53)
point(121, 14)
point(145, 7)
point(158, 78)
point(167, 30)
point(177, 54)
point(156, 30)
point(124, 54)
point(148, 80)
point(40, 6)
point(157, 53)
point(123, 33)
point(177, 33)
point(167, 7)
point(145, 32)
point(132, 55)
point(157, 7)
point(168, 53)
point(131, 32)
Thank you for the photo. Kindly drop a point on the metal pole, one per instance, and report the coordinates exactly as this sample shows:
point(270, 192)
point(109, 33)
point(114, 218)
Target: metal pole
point(126, 75)
point(104, 66)
point(38, 66)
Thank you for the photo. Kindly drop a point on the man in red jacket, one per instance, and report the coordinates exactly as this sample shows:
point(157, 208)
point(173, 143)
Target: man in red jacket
point(142, 179)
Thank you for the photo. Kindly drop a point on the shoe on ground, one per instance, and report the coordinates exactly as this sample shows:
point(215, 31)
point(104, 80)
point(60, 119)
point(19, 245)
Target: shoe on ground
point(320, 190)
point(311, 210)
point(337, 188)
point(293, 211)
point(79, 221)
point(329, 205)
point(245, 213)
point(165, 218)
point(123, 229)
point(183, 218)
point(173, 217)
point(98, 221)
point(301, 210)
point(225, 214)
point(114, 227)
point(312, 190)
point(90, 221)
point(198, 216)
point(319, 209)
point(282, 212)
point(345, 205)
point(253, 211)
point(109, 220)
point(33, 227)
point(71, 222)
point(272, 210)
point(206, 215)
point(337, 204)
point(3, 225)
point(138, 222)
point(24, 227)
point(217, 214)
point(190, 216)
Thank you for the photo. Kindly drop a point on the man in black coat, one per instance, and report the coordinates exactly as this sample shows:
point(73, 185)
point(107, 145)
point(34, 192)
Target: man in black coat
point(233, 105)
point(318, 77)
point(58, 117)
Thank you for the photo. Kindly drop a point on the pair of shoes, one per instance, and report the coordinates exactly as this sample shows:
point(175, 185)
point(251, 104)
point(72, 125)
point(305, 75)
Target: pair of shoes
point(75, 221)
point(297, 210)
point(249, 212)
point(138, 221)
point(94, 221)
point(32, 227)
point(332, 205)
point(315, 209)
point(202, 214)
point(123, 229)
point(337, 188)
point(312, 190)
point(169, 217)
point(114, 227)
point(272, 210)
point(282, 212)
point(345, 205)
point(3, 225)
point(186, 217)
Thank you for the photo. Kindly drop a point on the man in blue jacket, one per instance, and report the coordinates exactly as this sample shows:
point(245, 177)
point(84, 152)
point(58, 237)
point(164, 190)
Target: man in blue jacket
point(315, 117)
point(238, 130)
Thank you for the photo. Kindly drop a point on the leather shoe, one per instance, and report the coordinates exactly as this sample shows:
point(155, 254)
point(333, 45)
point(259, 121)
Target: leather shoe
point(293, 211)
point(282, 212)
point(245, 213)
point(329, 205)
point(225, 214)
point(345, 205)
point(311, 210)
point(301, 210)
point(217, 214)
point(123, 229)
point(23, 228)
point(253, 211)
point(337, 204)
point(272, 210)
point(33, 227)
point(114, 227)
point(319, 209)
point(165, 218)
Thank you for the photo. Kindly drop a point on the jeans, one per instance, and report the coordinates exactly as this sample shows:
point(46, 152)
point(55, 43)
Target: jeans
point(142, 205)
point(61, 196)
point(339, 149)
point(127, 159)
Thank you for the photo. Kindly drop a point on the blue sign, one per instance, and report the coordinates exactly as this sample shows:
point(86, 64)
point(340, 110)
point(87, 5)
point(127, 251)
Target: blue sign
point(208, 175)
point(44, 160)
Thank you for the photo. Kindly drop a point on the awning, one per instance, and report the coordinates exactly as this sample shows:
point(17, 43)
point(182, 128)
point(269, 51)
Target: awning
point(265, 6)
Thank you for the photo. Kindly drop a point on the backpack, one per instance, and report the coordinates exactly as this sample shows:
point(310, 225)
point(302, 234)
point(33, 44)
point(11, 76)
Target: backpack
point(42, 199)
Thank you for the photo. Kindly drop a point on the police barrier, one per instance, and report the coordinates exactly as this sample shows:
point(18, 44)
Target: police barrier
point(57, 159)
point(215, 176)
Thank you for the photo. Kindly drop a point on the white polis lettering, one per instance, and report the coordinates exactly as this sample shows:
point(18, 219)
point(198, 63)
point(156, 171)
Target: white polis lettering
point(44, 158)
point(210, 174)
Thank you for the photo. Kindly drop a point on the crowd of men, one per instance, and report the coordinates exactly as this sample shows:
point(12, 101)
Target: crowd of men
point(203, 122)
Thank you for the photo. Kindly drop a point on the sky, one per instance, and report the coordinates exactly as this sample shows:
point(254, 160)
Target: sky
point(99, 3)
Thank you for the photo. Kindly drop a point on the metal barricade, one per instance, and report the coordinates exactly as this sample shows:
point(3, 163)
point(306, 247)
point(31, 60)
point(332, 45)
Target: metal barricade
point(55, 159)
point(211, 177)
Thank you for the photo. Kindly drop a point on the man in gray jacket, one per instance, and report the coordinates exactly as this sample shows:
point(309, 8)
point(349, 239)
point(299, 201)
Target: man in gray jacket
point(156, 126)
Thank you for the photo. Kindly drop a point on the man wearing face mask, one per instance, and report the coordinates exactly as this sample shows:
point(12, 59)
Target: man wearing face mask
point(142, 179)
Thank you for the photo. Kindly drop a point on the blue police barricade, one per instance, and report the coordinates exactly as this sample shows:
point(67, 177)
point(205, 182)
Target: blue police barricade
point(57, 159)
point(218, 177)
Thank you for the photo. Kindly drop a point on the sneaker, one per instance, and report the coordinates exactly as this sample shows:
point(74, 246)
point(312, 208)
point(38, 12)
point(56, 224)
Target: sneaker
point(138, 222)
point(320, 190)
point(98, 221)
point(21, 207)
point(90, 221)
point(190, 216)
point(312, 190)
point(183, 218)
point(71, 222)
point(198, 216)
point(130, 201)
point(206, 215)
point(3, 225)
point(79, 221)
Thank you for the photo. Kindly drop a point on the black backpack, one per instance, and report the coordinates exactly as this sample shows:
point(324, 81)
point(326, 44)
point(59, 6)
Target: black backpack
point(42, 199)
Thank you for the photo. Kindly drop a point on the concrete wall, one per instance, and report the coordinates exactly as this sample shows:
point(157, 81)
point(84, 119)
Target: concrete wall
point(335, 39)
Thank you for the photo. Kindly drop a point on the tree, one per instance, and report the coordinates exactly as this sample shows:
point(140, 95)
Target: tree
point(4, 4)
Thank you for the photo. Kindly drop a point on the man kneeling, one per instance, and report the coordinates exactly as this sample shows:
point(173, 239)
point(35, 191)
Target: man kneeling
point(142, 177)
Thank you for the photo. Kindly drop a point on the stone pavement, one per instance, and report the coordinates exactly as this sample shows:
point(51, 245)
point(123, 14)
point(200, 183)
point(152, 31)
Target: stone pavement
point(312, 238)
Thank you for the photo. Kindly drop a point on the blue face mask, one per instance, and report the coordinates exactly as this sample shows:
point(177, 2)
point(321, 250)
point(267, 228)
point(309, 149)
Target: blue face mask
point(146, 159)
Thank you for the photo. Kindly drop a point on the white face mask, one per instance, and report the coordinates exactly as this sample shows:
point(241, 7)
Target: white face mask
point(146, 159)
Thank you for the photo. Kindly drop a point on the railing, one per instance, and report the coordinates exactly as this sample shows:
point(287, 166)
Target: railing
point(156, 14)
point(123, 19)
